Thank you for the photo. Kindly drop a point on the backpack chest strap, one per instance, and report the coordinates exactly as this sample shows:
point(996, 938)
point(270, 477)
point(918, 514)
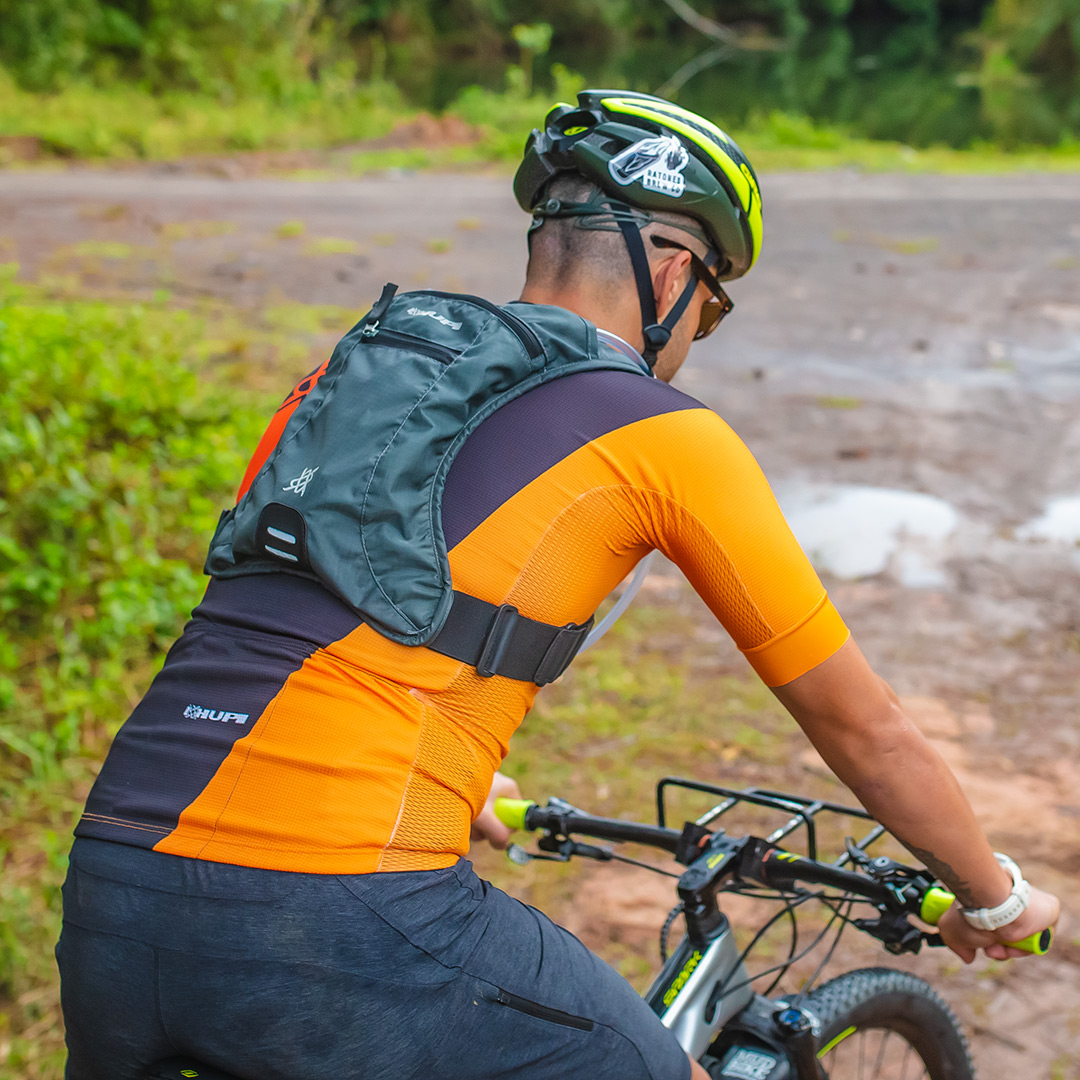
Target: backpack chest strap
point(498, 640)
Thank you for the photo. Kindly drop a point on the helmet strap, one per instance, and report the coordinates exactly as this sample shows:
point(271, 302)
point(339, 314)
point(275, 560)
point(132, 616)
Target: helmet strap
point(656, 334)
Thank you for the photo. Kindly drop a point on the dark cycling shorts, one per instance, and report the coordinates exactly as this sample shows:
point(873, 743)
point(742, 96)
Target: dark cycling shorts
point(277, 976)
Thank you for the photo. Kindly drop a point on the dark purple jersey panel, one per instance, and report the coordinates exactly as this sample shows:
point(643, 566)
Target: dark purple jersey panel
point(217, 681)
point(532, 433)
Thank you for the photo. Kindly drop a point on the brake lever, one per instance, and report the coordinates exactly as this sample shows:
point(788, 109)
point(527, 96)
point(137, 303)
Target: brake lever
point(895, 933)
point(558, 850)
point(564, 849)
point(519, 856)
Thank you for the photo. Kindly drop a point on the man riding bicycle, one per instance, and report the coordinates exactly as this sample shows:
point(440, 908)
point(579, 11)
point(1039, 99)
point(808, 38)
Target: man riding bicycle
point(270, 873)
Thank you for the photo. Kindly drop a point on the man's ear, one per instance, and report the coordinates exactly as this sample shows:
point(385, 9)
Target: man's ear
point(669, 279)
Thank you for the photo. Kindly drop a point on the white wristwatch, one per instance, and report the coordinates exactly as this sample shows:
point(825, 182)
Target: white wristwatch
point(1011, 908)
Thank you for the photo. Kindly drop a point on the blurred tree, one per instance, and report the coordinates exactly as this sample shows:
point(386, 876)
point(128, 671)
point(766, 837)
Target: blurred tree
point(534, 39)
point(281, 50)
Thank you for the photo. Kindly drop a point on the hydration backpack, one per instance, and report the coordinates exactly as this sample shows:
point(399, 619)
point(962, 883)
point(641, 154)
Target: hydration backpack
point(350, 488)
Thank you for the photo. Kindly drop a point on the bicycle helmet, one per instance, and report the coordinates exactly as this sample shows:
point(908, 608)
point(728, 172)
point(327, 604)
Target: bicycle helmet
point(646, 154)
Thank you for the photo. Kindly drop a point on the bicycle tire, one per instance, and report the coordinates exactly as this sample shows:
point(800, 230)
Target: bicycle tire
point(878, 1022)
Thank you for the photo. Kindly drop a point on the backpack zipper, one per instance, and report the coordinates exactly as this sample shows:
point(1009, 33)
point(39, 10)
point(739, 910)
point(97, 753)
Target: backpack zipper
point(524, 333)
point(394, 339)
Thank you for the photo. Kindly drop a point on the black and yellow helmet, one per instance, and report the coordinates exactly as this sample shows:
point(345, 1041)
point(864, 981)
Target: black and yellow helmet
point(655, 156)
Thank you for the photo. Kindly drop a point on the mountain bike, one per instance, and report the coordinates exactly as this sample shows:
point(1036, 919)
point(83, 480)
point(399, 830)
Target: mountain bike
point(878, 1023)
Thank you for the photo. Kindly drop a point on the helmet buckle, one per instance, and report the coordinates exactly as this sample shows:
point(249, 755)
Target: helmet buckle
point(656, 337)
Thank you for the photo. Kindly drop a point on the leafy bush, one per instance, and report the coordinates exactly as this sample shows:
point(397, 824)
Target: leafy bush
point(115, 458)
point(203, 45)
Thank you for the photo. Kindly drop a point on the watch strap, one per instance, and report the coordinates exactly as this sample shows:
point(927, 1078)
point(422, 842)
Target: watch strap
point(1012, 907)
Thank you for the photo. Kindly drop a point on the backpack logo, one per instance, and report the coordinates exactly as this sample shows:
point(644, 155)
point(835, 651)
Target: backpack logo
point(200, 712)
point(436, 316)
point(299, 483)
point(656, 163)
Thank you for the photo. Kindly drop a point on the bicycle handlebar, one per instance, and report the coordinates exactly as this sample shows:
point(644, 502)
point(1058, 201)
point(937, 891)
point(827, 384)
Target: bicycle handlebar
point(775, 867)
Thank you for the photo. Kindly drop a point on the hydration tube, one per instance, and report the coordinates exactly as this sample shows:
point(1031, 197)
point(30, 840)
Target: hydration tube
point(624, 601)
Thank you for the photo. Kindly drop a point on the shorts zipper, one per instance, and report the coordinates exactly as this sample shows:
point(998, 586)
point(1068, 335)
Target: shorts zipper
point(543, 1012)
point(394, 339)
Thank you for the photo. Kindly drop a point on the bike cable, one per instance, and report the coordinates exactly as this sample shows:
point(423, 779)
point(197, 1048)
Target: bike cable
point(723, 988)
point(845, 920)
point(643, 865)
point(673, 914)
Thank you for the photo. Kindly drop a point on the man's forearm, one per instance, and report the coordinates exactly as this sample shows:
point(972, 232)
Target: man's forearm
point(859, 728)
point(903, 781)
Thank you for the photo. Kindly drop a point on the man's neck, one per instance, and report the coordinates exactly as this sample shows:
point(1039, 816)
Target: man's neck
point(618, 313)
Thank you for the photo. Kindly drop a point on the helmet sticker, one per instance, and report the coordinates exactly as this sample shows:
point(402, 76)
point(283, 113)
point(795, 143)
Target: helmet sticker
point(656, 163)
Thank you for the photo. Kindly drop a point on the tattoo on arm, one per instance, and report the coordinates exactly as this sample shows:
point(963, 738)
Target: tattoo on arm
point(946, 873)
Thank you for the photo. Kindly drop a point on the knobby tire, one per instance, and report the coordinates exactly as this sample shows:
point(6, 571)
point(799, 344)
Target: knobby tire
point(902, 1029)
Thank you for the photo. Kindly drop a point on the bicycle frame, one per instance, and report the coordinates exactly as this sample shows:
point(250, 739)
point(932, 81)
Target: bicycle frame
point(681, 993)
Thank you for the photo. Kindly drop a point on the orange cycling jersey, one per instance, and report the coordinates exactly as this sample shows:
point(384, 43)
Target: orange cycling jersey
point(283, 733)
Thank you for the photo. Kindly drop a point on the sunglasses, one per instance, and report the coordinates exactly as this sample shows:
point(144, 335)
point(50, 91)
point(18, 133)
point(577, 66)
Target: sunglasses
point(714, 309)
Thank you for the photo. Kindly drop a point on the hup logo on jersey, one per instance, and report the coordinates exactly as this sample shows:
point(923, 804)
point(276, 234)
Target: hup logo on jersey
point(656, 163)
point(200, 712)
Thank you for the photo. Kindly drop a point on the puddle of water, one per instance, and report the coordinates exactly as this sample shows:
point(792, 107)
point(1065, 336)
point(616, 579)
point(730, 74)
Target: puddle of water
point(1059, 522)
point(853, 531)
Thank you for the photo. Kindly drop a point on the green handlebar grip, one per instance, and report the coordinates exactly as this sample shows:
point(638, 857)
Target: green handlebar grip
point(1039, 943)
point(511, 812)
point(937, 901)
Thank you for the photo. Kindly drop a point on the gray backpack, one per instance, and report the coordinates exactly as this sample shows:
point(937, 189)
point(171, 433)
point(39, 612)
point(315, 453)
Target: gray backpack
point(351, 495)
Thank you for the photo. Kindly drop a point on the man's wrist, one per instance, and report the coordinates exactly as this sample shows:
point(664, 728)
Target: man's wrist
point(993, 917)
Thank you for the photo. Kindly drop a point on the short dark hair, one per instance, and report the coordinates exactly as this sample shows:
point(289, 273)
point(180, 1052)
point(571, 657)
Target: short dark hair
point(590, 249)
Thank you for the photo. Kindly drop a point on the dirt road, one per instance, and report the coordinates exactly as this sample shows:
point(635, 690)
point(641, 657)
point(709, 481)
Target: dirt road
point(905, 363)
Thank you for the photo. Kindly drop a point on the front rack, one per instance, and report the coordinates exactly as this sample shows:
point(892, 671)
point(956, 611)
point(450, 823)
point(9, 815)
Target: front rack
point(803, 811)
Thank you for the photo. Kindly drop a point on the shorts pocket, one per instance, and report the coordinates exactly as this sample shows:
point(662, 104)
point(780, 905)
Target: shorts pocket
point(541, 1012)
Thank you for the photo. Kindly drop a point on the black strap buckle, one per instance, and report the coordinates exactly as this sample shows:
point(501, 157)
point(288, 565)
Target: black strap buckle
point(560, 653)
point(497, 640)
point(505, 652)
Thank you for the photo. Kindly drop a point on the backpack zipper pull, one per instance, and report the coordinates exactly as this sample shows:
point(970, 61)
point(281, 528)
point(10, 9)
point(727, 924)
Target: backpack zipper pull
point(375, 315)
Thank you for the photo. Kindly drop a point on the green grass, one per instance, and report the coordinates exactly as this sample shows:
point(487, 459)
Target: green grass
point(120, 123)
point(123, 123)
point(330, 245)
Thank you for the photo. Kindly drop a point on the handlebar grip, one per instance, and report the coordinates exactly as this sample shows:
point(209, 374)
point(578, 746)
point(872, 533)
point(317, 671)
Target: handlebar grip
point(511, 812)
point(936, 901)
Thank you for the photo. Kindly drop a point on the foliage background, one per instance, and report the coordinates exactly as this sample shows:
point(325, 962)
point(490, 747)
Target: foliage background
point(272, 46)
point(1017, 79)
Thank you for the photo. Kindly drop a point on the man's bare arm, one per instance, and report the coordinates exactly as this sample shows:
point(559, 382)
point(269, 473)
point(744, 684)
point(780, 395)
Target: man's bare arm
point(858, 726)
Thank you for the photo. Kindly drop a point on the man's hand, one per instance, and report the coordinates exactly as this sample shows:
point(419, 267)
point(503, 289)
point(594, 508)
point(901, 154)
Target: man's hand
point(487, 826)
point(965, 940)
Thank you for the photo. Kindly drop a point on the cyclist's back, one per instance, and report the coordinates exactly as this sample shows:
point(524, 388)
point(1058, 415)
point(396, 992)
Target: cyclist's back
point(342, 752)
point(269, 872)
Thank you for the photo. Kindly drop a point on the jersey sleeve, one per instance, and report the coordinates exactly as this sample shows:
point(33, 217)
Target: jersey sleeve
point(715, 516)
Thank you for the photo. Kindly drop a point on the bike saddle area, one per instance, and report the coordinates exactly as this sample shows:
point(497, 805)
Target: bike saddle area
point(181, 1068)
